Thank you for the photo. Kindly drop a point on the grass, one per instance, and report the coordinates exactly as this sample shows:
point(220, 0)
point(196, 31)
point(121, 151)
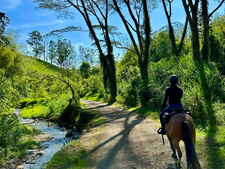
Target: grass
point(94, 97)
point(37, 111)
point(210, 147)
point(69, 157)
point(74, 155)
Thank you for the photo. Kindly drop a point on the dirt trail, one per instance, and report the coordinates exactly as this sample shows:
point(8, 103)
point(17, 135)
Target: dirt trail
point(130, 141)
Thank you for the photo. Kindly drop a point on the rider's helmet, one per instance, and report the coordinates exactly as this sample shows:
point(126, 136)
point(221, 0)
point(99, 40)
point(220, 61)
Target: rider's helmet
point(173, 79)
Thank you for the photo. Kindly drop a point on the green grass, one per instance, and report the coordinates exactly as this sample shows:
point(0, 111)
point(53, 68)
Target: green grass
point(210, 147)
point(69, 157)
point(94, 97)
point(74, 155)
point(37, 111)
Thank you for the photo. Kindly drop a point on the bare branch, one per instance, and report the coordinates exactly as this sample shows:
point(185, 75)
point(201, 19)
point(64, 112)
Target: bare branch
point(221, 3)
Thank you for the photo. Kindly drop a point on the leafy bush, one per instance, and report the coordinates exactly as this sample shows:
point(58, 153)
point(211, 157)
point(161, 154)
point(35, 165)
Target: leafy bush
point(15, 138)
point(9, 96)
point(57, 104)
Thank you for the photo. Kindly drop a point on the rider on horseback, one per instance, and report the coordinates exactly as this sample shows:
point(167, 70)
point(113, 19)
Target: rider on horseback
point(174, 94)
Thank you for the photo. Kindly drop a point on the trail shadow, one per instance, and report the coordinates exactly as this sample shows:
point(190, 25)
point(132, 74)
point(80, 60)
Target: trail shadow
point(97, 107)
point(128, 126)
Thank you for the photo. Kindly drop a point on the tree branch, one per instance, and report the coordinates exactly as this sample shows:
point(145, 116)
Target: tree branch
point(221, 3)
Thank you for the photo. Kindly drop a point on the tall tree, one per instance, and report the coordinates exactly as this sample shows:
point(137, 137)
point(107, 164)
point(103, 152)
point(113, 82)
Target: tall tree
point(64, 53)
point(201, 56)
point(138, 11)
point(52, 50)
point(176, 48)
point(87, 54)
point(100, 10)
point(35, 41)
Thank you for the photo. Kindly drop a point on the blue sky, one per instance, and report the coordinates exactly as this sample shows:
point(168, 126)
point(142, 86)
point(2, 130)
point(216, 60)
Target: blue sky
point(25, 18)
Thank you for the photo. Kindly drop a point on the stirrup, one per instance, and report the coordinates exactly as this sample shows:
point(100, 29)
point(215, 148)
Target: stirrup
point(161, 131)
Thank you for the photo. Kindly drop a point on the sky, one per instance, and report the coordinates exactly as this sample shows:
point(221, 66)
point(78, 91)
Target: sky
point(25, 18)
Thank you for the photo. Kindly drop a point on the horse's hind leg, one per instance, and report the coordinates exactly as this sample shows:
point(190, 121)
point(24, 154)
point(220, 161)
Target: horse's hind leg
point(180, 156)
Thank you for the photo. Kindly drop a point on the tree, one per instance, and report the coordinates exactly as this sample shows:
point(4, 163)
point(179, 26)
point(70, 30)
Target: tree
point(35, 41)
point(52, 50)
point(138, 11)
point(85, 70)
point(100, 11)
point(160, 46)
point(201, 56)
point(4, 21)
point(176, 48)
point(64, 53)
point(87, 54)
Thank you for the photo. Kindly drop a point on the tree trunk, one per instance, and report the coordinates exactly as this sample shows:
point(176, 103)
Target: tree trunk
point(145, 94)
point(205, 48)
point(112, 78)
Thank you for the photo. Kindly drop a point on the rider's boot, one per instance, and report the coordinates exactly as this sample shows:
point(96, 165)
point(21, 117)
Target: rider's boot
point(162, 129)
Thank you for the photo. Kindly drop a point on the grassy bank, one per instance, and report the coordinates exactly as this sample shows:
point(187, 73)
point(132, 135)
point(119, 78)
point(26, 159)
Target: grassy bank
point(74, 155)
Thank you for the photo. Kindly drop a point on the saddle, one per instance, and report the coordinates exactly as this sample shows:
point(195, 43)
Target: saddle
point(167, 116)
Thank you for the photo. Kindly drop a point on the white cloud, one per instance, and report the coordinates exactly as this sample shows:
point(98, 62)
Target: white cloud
point(54, 22)
point(11, 4)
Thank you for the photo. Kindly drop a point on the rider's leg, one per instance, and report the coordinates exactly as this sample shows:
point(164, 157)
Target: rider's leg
point(162, 122)
point(167, 109)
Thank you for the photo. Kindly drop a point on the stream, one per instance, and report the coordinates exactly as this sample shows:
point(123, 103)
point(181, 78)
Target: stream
point(50, 147)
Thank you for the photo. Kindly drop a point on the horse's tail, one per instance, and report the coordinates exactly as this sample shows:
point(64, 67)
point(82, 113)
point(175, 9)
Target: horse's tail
point(191, 155)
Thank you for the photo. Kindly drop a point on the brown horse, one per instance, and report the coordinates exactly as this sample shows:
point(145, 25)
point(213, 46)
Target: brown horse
point(181, 127)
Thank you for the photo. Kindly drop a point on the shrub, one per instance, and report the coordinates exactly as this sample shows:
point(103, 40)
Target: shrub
point(15, 138)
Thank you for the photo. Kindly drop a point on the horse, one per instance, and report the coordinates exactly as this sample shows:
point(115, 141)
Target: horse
point(181, 127)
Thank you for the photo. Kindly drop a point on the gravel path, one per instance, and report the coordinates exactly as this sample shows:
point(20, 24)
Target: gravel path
point(130, 141)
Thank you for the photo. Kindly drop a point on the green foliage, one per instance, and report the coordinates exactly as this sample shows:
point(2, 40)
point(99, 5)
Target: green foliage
point(64, 53)
point(35, 42)
point(92, 86)
point(37, 111)
point(30, 102)
point(57, 105)
point(15, 138)
point(8, 95)
point(128, 80)
point(216, 41)
point(6, 58)
point(85, 70)
point(160, 46)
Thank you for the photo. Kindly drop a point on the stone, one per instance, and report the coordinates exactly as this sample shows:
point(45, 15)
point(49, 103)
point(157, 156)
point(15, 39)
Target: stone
point(40, 153)
point(70, 133)
point(30, 152)
point(20, 167)
point(30, 161)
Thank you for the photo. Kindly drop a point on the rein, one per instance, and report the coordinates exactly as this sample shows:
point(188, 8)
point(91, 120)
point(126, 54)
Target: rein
point(163, 139)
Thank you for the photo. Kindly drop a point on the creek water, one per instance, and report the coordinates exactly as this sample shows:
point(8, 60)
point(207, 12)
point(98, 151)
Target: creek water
point(53, 146)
